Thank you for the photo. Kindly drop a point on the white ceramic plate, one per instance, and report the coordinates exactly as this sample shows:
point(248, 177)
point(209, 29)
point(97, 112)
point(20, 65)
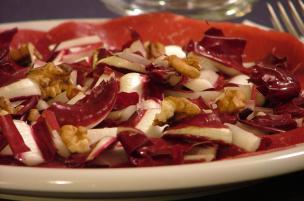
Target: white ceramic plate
point(142, 183)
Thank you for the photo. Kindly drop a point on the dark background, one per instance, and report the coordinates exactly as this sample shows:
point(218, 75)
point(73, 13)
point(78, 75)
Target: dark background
point(284, 188)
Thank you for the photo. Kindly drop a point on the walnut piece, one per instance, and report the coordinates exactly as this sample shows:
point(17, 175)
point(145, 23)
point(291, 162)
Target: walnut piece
point(232, 101)
point(154, 50)
point(33, 115)
point(25, 54)
point(75, 138)
point(6, 106)
point(182, 67)
point(193, 60)
point(51, 79)
point(71, 91)
point(171, 105)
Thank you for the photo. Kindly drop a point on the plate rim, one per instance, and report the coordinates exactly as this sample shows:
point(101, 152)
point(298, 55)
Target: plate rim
point(210, 174)
point(88, 180)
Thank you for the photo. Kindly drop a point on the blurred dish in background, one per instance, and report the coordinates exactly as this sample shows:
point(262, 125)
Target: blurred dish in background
point(202, 9)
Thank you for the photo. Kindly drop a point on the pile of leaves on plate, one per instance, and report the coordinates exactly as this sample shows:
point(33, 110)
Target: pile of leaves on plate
point(80, 103)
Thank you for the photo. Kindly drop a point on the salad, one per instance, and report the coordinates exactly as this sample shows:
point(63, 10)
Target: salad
point(141, 91)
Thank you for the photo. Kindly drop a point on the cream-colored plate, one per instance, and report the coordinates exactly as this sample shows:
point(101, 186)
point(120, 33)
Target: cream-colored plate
point(152, 183)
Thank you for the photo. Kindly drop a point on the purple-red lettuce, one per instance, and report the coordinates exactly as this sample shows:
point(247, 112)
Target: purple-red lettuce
point(160, 74)
point(12, 136)
point(90, 110)
point(200, 120)
point(276, 84)
point(43, 139)
point(295, 107)
point(9, 70)
point(272, 123)
point(134, 37)
point(125, 99)
point(143, 151)
point(28, 103)
point(273, 60)
point(3, 141)
point(226, 50)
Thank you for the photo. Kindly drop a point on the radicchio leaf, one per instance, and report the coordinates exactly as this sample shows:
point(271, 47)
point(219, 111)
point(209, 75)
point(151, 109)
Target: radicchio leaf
point(132, 141)
point(83, 68)
point(124, 100)
point(272, 123)
point(201, 120)
point(9, 70)
point(43, 139)
point(134, 37)
point(276, 84)
point(3, 141)
point(279, 140)
point(273, 60)
point(227, 118)
point(226, 50)
point(295, 107)
point(160, 152)
point(28, 104)
point(144, 151)
point(160, 74)
point(90, 110)
point(153, 90)
point(103, 53)
point(6, 37)
point(12, 135)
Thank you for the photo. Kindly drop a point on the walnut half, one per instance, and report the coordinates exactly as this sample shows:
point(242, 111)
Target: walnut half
point(154, 50)
point(25, 55)
point(6, 106)
point(183, 67)
point(51, 79)
point(33, 115)
point(232, 101)
point(171, 105)
point(75, 138)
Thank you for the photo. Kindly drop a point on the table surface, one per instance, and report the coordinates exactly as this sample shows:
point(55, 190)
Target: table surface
point(283, 188)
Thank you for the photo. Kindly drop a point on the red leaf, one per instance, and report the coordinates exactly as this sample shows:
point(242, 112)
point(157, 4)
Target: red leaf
point(201, 120)
point(44, 140)
point(126, 99)
point(12, 135)
point(293, 107)
point(276, 84)
point(90, 110)
point(9, 70)
point(28, 104)
point(223, 49)
point(51, 120)
point(272, 123)
point(3, 141)
point(132, 141)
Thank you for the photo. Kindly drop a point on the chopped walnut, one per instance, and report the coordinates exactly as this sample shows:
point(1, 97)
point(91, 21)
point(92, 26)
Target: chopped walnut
point(171, 105)
point(71, 91)
point(33, 115)
point(232, 101)
point(3, 112)
point(75, 138)
point(51, 79)
point(154, 50)
point(193, 60)
point(25, 54)
point(182, 67)
point(6, 106)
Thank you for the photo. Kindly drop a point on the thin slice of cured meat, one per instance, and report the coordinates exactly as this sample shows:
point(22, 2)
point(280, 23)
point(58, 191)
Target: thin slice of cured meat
point(27, 36)
point(168, 28)
point(69, 30)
